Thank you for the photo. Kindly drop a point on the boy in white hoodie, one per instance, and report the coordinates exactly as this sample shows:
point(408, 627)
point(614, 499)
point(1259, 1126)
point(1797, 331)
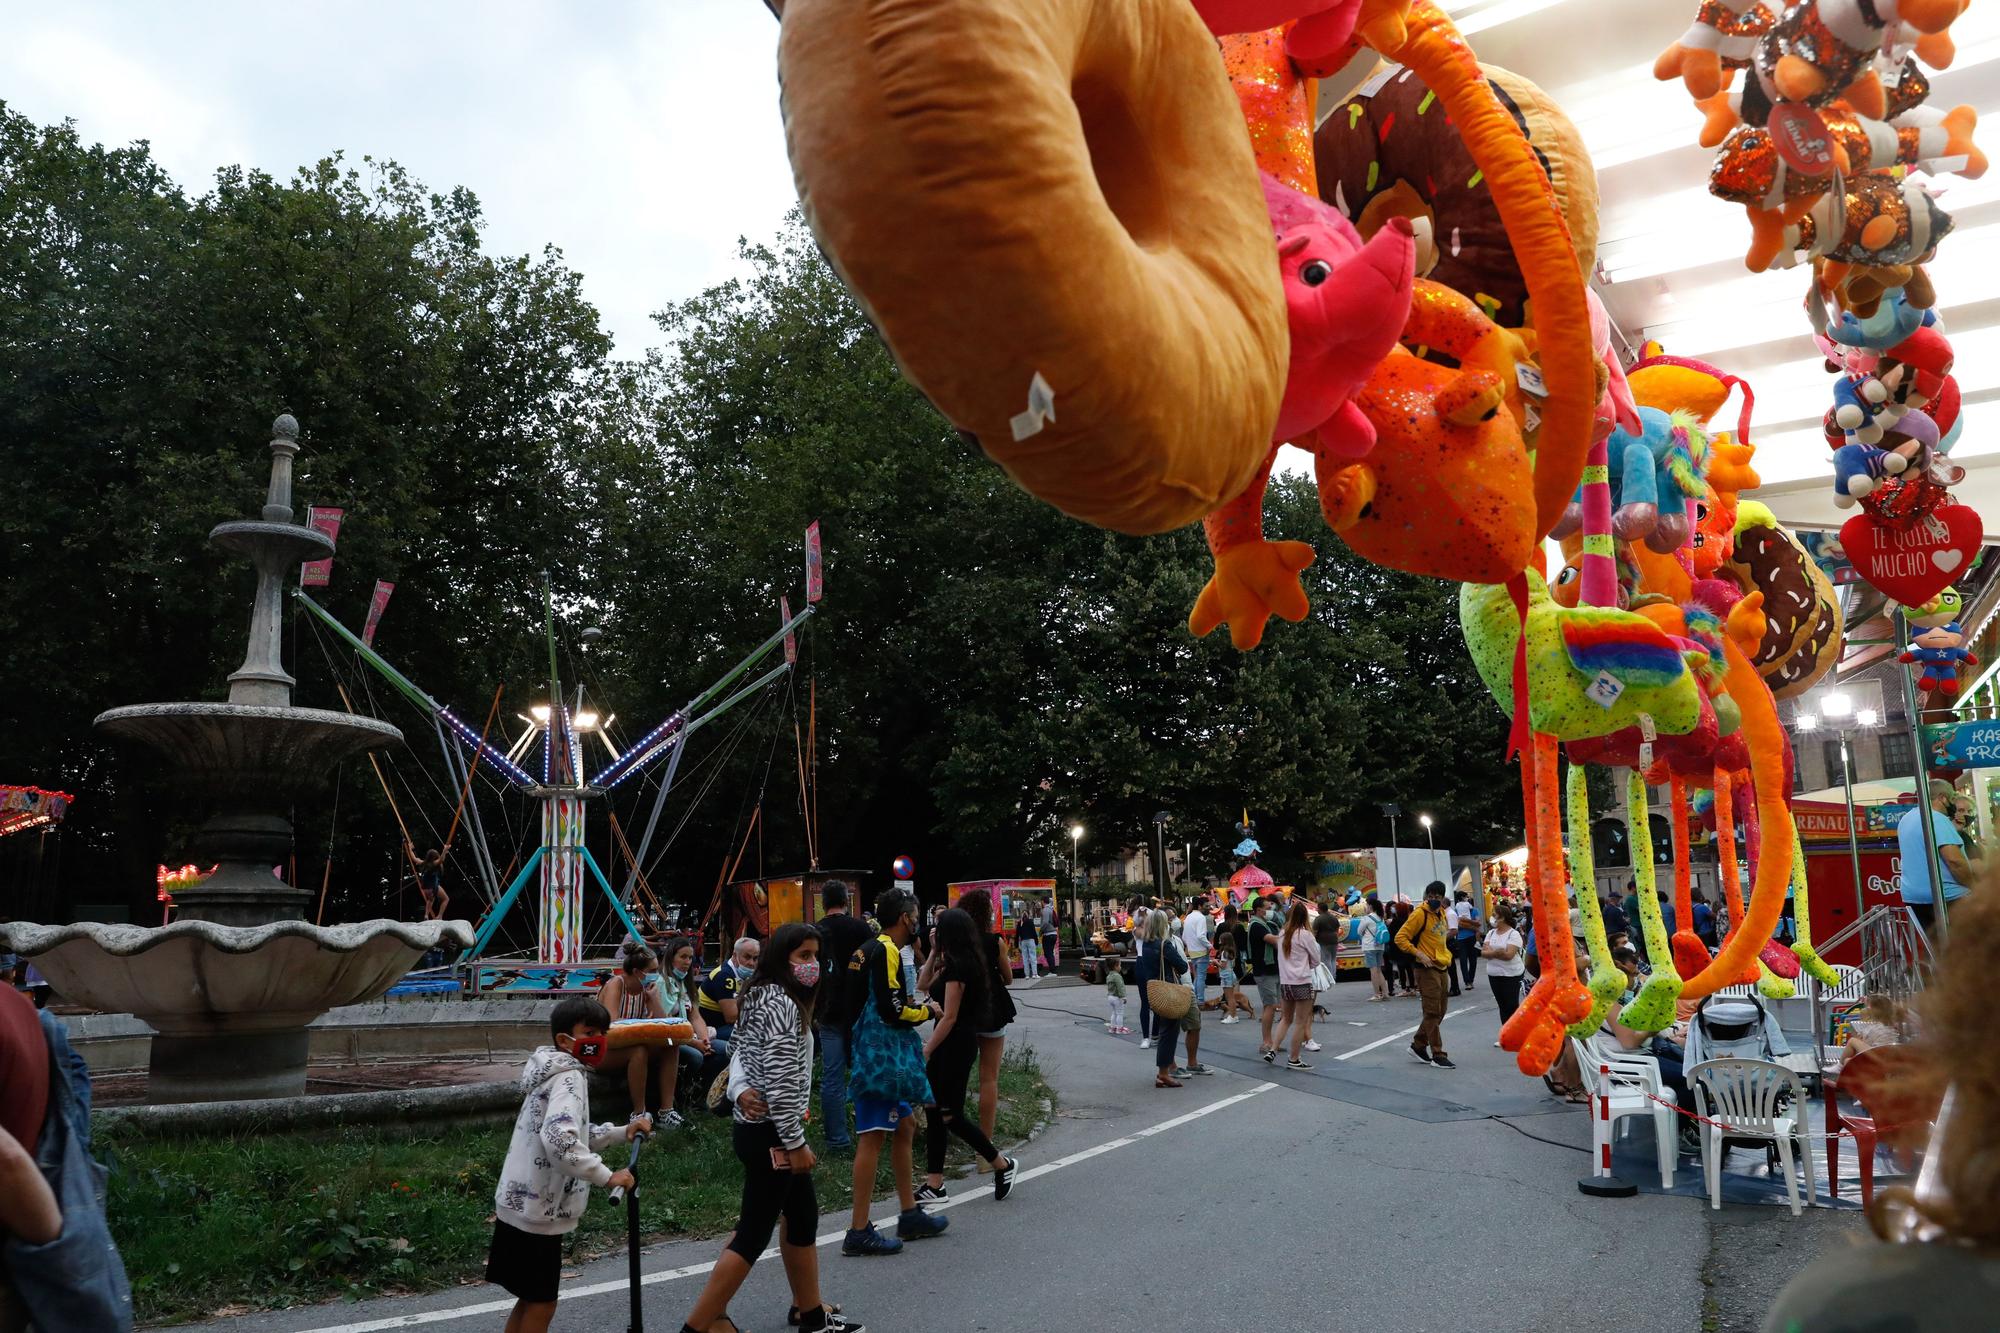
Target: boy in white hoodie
point(551, 1163)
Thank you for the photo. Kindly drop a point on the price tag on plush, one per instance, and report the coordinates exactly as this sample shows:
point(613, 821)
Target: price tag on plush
point(1800, 137)
point(1915, 563)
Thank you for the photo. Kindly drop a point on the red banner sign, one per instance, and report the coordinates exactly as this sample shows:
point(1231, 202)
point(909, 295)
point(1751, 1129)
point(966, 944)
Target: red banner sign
point(791, 636)
point(376, 605)
point(815, 580)
point(1916, 562)
point(318, 573)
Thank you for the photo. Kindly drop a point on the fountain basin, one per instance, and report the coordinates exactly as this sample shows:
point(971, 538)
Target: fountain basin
point(230, 1003)
point(254, 752)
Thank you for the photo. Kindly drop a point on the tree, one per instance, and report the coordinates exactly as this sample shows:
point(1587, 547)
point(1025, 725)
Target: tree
point(982, 672)
point(151, 338)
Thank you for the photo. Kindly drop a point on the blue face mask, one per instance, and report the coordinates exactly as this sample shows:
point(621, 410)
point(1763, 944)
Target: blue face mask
point(680, 974)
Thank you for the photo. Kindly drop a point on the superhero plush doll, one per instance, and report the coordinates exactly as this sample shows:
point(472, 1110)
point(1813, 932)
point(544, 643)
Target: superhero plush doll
point(1937, 649)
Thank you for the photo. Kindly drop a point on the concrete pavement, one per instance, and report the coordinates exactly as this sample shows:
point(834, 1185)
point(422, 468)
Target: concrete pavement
point(1371, 1192)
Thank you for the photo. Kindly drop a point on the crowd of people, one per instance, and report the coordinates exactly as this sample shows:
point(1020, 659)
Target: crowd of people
point(896, 1017)
point(1284, 949)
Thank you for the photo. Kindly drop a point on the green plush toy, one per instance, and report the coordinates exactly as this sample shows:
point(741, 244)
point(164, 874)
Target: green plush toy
point(1607, 983)
point(1653, 1008)
point(1591, 670)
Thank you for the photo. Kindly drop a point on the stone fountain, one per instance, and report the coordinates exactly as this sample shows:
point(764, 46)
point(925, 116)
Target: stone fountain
point(230, 986)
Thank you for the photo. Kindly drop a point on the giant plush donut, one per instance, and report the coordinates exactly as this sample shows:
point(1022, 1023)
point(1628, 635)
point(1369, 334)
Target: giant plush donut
point(1050, 210)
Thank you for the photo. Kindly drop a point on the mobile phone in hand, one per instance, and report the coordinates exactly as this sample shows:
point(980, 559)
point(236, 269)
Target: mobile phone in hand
point(780, 1160)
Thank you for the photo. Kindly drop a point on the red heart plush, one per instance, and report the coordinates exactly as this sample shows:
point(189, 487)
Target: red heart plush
point(1915, 563)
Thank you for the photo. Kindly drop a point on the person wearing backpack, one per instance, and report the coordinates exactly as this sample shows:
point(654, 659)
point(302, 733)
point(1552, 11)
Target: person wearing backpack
point(1371, 932)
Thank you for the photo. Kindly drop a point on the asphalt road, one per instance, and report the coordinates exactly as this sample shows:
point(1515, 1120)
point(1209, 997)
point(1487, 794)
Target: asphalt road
point(1370, 1193)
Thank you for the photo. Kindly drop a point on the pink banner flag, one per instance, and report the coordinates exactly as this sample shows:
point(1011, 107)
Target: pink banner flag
point(318, 573)
point(791, 636)
point(815, 584)
point(376, 605)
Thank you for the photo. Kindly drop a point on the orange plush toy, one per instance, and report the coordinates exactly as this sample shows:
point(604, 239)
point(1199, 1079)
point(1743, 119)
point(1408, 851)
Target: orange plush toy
point(1445, 491)
point(1050, 210)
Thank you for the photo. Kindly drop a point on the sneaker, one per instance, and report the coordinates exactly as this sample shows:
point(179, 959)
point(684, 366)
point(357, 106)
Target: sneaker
point(931, 1194)
point(674, 1120)
point(1199, 1069)
point(1442, 1061)
point(1421, 1054)
point(870, 1241)
point(1183, 1071)
point(920, 1225)
point(1297, 1064)
point(1145, 1043)
point(1270, 1056)
point(1312, 1045)
point(1003, 1180)
point(1231, 1019)
point(828, 1321)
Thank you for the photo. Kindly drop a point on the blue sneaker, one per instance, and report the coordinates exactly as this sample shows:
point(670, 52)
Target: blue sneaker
point(919, 1225)
point(870, 1241)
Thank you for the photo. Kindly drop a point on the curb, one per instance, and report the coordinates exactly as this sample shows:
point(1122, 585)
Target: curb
point(471, 1101)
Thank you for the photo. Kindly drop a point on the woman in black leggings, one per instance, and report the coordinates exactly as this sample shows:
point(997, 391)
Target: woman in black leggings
point(773, 1049)
point(957, 976)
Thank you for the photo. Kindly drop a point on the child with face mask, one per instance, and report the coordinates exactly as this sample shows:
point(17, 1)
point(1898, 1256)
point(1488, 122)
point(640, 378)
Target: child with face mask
point(772, 1080)
point(552, 1162)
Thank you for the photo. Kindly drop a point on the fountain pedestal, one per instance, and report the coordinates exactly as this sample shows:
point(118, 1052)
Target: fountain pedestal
point(232, 984)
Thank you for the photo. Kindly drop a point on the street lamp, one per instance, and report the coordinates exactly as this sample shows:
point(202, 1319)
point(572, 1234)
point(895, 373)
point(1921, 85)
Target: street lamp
point(1391, 809)
point(1425, 820)
point(1075, 837)
point(1834, 709)
point(1160, 854)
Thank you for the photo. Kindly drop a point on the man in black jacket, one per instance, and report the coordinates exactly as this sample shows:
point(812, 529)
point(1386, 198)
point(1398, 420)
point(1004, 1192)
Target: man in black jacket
point(841, 935)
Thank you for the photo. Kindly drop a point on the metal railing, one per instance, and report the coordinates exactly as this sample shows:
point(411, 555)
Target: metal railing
point(1895, 963)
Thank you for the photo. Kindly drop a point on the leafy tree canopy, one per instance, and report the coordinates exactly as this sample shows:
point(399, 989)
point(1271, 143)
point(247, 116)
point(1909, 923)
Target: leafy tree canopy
point(983, 672)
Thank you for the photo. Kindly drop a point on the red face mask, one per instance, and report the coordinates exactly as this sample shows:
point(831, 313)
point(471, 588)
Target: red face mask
point(590, 1051)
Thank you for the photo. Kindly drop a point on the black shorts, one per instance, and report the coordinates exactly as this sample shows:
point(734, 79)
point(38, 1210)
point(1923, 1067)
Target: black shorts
point(524, 1263)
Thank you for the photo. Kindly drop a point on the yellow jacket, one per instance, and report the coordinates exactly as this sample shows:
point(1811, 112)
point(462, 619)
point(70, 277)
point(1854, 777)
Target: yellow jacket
point(1423, 935)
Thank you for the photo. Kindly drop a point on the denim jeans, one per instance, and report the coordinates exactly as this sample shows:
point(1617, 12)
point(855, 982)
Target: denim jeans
point(833, 1053)
point(1198, 977)
point(1029, 949)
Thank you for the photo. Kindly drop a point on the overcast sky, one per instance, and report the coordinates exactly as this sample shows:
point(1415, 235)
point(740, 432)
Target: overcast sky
point(640, 136)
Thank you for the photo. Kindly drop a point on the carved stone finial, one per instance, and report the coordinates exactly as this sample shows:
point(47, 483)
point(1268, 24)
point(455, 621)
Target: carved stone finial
point(286, 427)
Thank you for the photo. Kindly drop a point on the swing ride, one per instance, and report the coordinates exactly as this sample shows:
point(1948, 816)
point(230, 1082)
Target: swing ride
point(561, 861)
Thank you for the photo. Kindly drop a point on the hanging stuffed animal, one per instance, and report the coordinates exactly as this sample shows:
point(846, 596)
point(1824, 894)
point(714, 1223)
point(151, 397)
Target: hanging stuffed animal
point(1941, 651)
point(1819, 50)
point(1861, 408)
point(1655, 474)
point(1723, 37)
point(1894, 320)
point(1346, 302)
point(1878, 220)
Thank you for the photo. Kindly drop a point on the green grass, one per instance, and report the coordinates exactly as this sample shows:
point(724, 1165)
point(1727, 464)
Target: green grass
point(261, 1221)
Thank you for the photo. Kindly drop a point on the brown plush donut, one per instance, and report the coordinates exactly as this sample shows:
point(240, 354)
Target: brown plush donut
point(1395, 152)
point(1050, 210)
point(1802, 620)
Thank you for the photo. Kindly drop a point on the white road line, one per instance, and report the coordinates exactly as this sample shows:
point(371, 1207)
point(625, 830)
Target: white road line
point(831, 1237)
point(1408, 1031)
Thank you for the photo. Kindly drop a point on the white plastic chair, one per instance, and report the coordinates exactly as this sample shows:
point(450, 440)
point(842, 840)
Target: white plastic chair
point(1624, 1078)
point(1746, 1096)
point(1742, 990)
point(1853, 985)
